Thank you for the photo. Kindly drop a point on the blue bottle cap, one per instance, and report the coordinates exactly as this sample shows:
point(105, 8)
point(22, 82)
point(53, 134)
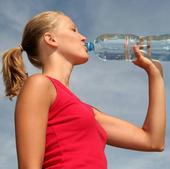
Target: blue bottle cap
point(89, 46)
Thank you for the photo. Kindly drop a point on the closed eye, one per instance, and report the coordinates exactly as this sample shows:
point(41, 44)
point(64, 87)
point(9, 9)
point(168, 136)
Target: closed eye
point(74, 30)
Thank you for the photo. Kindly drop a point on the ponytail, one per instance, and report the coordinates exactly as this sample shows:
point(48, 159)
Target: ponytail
point(13, 71)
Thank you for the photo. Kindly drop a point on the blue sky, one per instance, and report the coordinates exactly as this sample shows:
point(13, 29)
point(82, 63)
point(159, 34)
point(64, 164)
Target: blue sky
point(118, 88)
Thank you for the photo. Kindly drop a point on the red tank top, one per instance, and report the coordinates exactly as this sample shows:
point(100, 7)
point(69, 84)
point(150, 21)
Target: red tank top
point(74, 139)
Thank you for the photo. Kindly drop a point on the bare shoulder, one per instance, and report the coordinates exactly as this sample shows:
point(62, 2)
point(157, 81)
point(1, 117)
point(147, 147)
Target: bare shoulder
point(37, 86)
point(37, 79)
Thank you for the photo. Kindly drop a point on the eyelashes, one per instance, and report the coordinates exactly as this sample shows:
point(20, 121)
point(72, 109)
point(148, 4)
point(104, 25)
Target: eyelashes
point(74, 30)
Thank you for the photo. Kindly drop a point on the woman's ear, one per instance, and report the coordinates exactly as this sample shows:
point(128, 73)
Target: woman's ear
point(50, 39)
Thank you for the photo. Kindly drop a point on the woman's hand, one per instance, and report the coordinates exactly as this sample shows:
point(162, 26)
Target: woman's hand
point(149, 65)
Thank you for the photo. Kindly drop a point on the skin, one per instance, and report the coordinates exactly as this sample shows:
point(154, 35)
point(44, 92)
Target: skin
point(38, 94)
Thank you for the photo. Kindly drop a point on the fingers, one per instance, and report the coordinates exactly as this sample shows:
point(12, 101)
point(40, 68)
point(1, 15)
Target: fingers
point(137, 54)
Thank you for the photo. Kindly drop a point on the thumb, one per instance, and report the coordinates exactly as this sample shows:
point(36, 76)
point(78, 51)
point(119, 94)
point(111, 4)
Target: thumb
point(136, 51)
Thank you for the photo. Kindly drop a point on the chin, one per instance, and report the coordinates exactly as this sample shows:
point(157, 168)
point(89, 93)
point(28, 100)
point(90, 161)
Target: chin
point(82, 60)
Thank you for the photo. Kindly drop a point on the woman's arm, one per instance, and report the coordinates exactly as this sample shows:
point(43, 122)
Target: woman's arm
point(151, 136)
point(31, 115)
point(155, 121)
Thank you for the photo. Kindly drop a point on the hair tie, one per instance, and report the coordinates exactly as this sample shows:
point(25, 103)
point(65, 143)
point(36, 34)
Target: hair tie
point(21, 48)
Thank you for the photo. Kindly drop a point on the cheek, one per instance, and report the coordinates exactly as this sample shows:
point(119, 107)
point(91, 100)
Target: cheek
point(68, 47)
point(74, 52)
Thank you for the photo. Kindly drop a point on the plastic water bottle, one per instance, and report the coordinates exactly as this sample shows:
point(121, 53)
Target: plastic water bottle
point(119, 46)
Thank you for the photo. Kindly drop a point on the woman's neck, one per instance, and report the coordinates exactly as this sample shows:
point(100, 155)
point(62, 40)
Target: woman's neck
point(59, 70)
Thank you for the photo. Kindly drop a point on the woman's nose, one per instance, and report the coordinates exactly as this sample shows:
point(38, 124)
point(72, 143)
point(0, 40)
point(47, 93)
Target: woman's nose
point(83, 38)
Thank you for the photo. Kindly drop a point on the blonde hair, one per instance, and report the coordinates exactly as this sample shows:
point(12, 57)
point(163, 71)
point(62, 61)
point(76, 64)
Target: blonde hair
point(13, 69)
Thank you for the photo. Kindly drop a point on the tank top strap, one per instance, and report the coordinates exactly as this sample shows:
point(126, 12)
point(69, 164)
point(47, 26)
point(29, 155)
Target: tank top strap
point(61, 90)
point(56, 83)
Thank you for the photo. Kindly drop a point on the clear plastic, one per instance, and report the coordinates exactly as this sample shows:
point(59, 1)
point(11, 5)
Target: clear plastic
point(119, 46)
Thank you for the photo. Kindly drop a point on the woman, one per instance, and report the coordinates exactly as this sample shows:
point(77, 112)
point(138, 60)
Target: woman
point(54, 128)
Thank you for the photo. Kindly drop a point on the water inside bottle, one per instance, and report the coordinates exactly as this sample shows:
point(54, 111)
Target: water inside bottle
point(115, 47)
point(109, 49)
point(160, 50)
point(119, 46)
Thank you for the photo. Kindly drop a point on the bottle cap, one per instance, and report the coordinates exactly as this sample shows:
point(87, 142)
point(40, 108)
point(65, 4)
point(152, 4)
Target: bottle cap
point(89, 46)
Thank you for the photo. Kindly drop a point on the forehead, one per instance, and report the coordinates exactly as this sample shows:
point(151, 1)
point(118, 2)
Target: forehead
point(66, 21)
